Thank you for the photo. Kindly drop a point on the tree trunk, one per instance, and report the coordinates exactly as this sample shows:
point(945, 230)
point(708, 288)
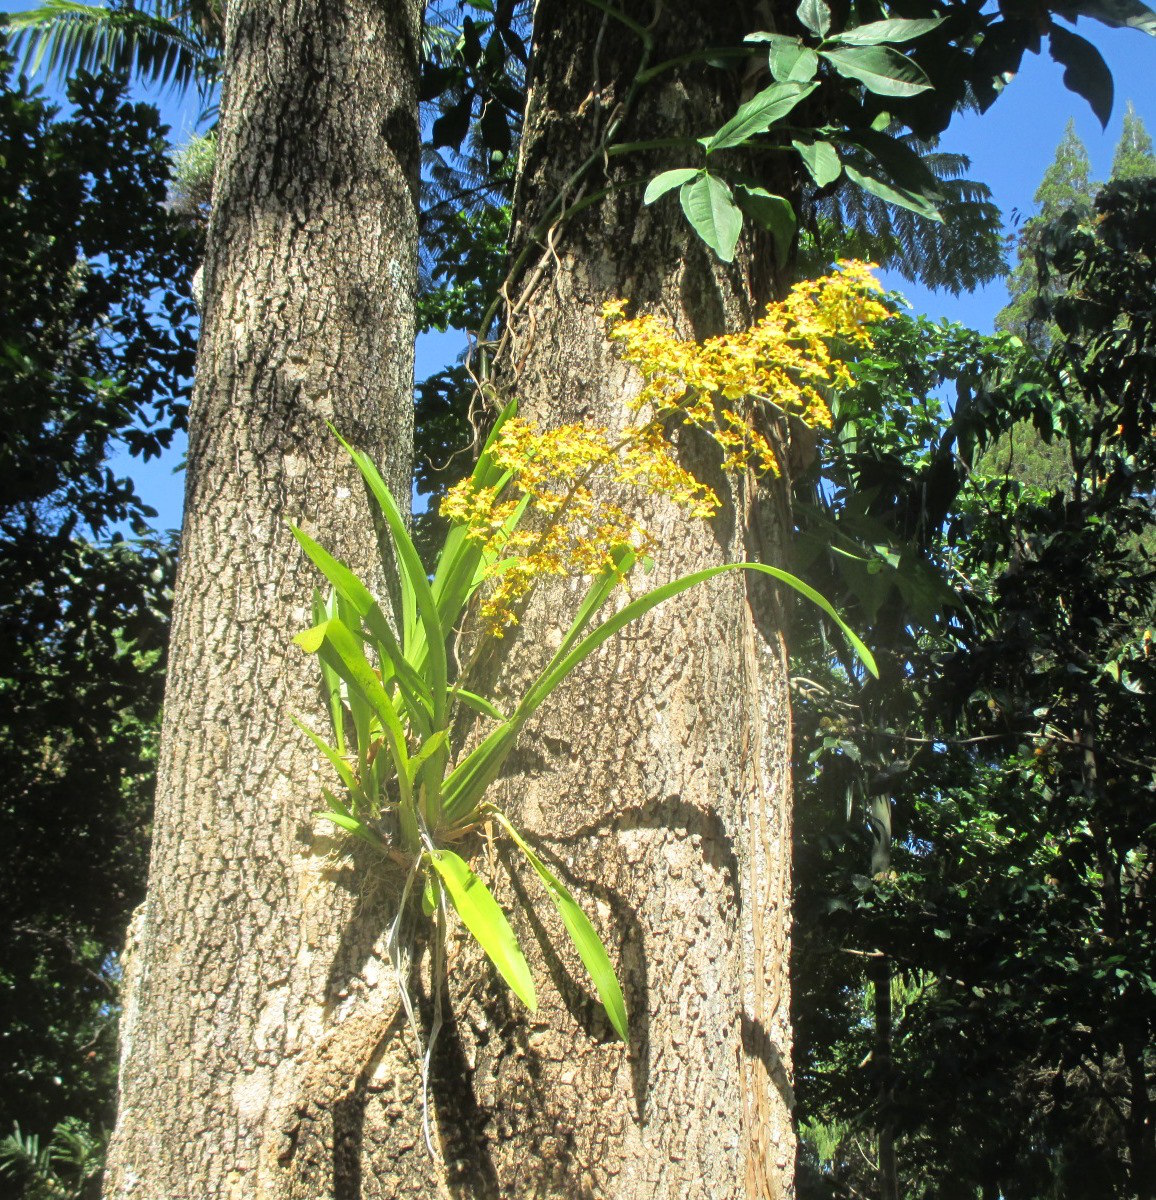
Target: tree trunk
point(657, 782)
point(247, 1021)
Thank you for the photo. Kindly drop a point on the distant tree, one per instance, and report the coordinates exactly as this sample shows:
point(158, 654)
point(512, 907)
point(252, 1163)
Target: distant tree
point(1066, 185)
point(1133, 158)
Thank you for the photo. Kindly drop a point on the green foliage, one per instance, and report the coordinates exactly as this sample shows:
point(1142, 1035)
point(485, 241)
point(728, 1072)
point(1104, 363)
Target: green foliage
point(1002, 757)
point(191, 189)
point(1066, 185)
point(1133, 158)
point(416, 768)
point(67, 1168)
point(95, 352)
point(176, 45)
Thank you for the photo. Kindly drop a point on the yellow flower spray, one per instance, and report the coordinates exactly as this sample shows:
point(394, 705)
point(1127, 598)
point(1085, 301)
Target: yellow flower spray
point(550, 519)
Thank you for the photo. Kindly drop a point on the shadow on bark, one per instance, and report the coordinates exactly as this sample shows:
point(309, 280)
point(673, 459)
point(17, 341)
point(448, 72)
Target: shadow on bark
point(757, 1043)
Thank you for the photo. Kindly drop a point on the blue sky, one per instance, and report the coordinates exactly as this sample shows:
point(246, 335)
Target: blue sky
point(1010, 147)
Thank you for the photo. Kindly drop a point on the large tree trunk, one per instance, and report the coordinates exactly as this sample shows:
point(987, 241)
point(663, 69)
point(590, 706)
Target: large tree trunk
point(657, 782)
point(243, 1041)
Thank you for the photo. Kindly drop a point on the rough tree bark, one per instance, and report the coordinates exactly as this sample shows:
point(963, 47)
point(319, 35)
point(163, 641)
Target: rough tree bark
point(660, 779)
point(657, 783)
point(237, 1062)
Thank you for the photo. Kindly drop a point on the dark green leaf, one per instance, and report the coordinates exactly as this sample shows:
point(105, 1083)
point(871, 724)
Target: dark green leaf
point(712, 213)
point(815, 16)
point(893, 193)
point(879, 69)
point(758, 114)
point(821, 160)
point(773, 213)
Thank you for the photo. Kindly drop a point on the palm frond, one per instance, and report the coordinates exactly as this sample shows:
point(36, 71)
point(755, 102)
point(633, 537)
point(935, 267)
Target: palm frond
point(959, 253)
point(170, 47)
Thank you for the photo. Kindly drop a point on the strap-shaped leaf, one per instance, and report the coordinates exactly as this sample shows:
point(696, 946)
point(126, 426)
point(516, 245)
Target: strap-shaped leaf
point(343, 769)
point(623, 559)
point(454, 576)
point(582, 934)
point(330, 680)
point(482, 915)
point(477, 703)
point(343, 650)
point(432, 646)
point(758, 114)
point(419, 700)
point(466, 784)
point(554, 675)
point(349, 823)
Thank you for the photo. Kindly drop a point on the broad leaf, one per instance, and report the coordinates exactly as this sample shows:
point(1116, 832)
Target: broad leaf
point(893, 193)
point(1085, 71)
point(821, 160)
point(482, 915)
point(667, 182)
point(582, 934)
point(903, 166)
point(792, 62)
point(773, 213)
point(876, 32)
point(758, 114)
point(713, 214)
point(815, 16)
point(879, 69)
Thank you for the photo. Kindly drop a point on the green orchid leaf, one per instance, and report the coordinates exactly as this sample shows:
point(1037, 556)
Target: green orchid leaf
point(477, 703)
point(482, 915)
point(419, 699)
point(582, 934)
point(428, 647)
point(558, 671)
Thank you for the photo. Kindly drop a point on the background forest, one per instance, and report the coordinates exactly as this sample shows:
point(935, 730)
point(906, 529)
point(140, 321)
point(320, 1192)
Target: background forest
point(974, 950)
